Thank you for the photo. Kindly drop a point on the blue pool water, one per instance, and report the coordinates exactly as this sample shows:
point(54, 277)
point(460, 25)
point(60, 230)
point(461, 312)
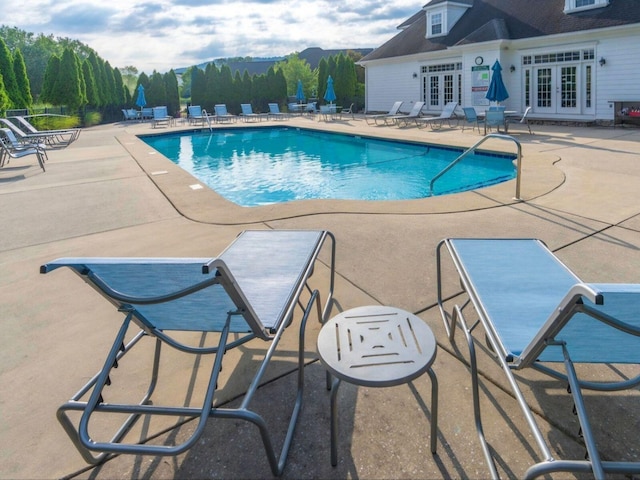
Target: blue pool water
point(261, 166)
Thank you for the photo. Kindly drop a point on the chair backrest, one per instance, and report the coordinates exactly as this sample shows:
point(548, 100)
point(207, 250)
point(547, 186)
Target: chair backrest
point(416, 109)
point(11, 139)
point(246, 109)
point(494, 117)
point(448, 109)
point(274, 108)
point(160, 112)
point(15, 130)
point(311, 107)
point(348, 110)
point(221, 109)
point(29, 128)
point(524, 117)
point(195, 110)
point(470, 114)
point(395, 108)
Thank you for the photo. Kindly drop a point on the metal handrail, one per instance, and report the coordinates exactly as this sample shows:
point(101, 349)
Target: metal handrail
point(473, 149)
point(207, 118)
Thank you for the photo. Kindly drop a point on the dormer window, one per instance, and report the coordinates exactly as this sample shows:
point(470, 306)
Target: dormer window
point(443, 15)
point(435, 22)
point(571, 6)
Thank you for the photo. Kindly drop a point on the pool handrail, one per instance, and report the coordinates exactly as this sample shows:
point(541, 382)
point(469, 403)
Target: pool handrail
point(473, 148)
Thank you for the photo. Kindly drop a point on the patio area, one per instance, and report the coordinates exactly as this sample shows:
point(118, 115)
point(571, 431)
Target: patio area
point(109, 194)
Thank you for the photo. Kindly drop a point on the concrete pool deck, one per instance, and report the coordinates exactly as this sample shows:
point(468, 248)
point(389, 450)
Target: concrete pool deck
point(108, 194)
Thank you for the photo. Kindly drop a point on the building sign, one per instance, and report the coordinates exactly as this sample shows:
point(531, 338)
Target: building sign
point(480, 77)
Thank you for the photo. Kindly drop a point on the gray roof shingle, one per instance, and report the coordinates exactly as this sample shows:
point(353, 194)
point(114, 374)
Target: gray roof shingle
point(490, 20)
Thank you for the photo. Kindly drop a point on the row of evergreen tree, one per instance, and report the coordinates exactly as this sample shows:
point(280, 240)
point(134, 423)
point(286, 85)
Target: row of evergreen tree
point(217, 85)
point(67, 73)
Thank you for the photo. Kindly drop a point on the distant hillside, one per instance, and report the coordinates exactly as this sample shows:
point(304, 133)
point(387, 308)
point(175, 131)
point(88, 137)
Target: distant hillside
point(258, 66)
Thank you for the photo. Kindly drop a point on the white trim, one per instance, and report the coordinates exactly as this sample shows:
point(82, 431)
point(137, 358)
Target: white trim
point(570, 6)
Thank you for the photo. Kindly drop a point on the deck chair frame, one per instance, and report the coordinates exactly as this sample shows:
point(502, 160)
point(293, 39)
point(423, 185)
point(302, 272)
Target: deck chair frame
point(447, 115)
point(373, 119)
point(250, 304)
point(580, 298)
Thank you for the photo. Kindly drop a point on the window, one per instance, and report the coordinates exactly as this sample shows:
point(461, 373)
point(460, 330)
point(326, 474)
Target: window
point(435, 24)
point(571, 6)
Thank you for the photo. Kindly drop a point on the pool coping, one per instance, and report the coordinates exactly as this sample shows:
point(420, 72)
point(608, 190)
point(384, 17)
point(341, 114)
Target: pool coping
point(196, 201)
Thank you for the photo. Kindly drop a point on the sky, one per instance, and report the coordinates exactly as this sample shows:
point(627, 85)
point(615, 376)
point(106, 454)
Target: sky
point(163, 34)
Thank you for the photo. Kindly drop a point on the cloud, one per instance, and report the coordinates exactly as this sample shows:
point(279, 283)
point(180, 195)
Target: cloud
point(164, 34)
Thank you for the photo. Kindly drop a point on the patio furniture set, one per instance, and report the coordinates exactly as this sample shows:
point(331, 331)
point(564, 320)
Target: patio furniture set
point(533, 311)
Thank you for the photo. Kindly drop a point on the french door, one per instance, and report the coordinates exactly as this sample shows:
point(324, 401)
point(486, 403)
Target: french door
point(556, 89)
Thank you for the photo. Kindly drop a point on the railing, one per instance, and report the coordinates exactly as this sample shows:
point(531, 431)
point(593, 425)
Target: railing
point(208, 119)
point(474, 148)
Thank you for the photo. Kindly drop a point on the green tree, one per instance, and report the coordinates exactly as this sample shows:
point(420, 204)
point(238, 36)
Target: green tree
point(8, 75)
point(156, 93)
point(50, 75)
point(129, 77)
point(172, 93)
point(247, 89)
point(111, 97)
point(101, 92)
point(323, 75)
point(20, 72)
point(211, 93)
point(345, 80)
point(93, 99)
point(225, 88)
point(4, 98)
point(66, 88)
point(198, 85)
point(294, 68)
point(259, 96)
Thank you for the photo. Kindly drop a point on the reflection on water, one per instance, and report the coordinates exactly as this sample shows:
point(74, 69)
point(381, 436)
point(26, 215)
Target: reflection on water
point(262, 166)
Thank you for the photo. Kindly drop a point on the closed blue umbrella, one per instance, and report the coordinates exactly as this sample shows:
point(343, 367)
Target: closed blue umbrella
point(497, 91)
point(330, 94)
point(300, 92)
point(141, 101)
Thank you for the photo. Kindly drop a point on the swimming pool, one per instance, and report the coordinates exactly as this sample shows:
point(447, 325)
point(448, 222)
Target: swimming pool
point(262, 166)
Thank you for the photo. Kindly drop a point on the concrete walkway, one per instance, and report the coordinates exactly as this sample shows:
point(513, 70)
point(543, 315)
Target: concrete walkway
point(110, 195)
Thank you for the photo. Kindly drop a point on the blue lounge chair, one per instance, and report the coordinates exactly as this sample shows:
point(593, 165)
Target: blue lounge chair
point(250, 291)
point(274, 112)
point(129, 114)
point(495, 119)
point(248, 115)
point(471, 118)
point(222, 115)
point(195, 115)
point(536, 313)
point(161, 117)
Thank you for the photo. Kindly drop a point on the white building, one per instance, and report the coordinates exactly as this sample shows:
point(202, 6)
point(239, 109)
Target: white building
point(567, 59)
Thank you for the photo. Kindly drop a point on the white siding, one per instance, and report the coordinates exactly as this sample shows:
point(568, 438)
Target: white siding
point(619, 78)
point(390, 82)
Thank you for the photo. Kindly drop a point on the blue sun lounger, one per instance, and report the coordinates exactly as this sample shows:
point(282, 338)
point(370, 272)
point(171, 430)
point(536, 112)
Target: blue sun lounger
point(536, 313)
point(250, 291)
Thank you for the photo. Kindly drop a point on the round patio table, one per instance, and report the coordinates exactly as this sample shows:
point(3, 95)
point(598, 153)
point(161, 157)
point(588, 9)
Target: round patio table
point(377, 346)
